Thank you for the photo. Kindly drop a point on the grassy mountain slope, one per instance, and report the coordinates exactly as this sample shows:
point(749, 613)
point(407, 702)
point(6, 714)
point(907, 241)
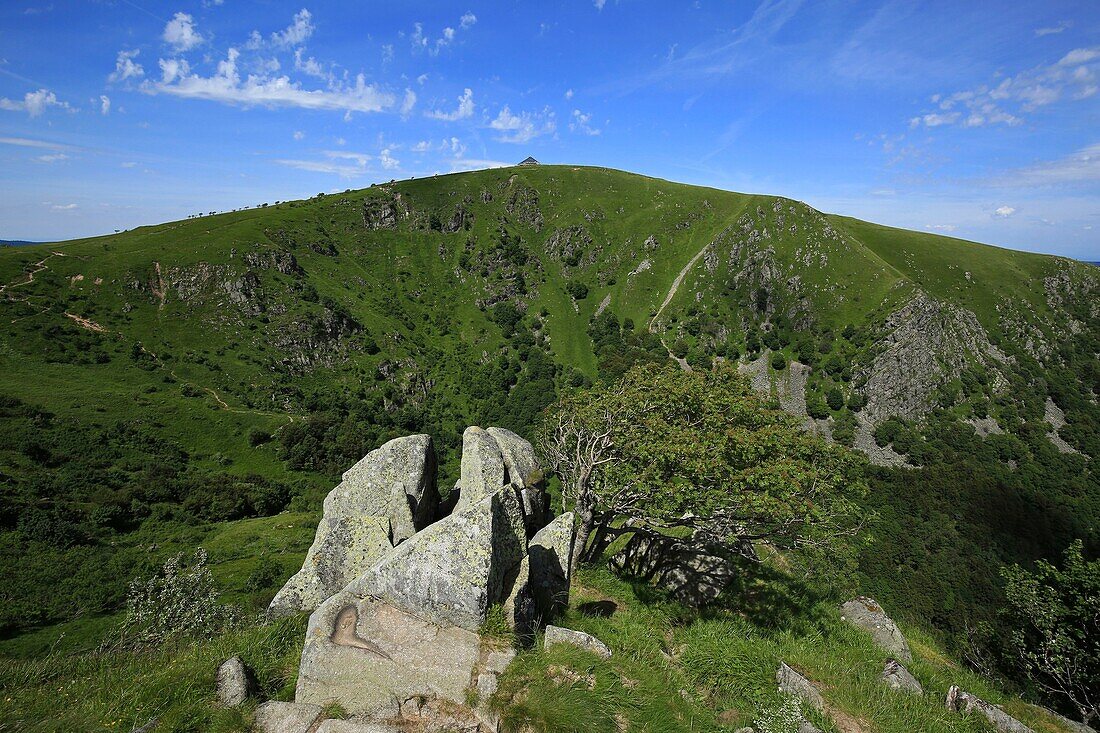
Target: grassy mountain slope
point(203, 382)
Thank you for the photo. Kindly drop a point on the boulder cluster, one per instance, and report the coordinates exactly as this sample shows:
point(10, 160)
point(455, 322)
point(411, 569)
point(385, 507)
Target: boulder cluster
point(400, 589)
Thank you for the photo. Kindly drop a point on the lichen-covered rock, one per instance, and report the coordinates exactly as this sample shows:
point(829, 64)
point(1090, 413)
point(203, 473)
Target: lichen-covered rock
point(793, 683)
point(286, 717)
point(898, 677)
point(342, 548)
point(560, 635)
point(691, 572)
point(965, 703)
point(482, 471)
point(453, 571)
point(369, 655)
point(234, 683)
point(355, 726)
point(369, 487)
point(522, 471)
point(868, 615)
point(383, 500)
point(548, 557)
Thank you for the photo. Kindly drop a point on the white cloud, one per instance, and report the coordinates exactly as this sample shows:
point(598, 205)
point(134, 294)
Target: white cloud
point(1003, 212)
point(421, 79)
point(129, 164)
point(465, 108)
point(227, 87)
point(467, 20)
point(1051, 30)
point(582, 123)
point(408, 102)
point(63, 207)
point(522, 127)
point(568, 93)
point(361, 159)
point(1075, 76)
point(125, 68)
point(388, 161)
point(1083, 166)
point(34, 103)
point(422, 147)
point(297, 33)
point(212, 3)
point(28, 143)
point(318, 166)
point(341, 141)
point(52, 158)
point(299, 135)
point(421, 42)
point(104, 104)
point(172, 69)
point(308, 66)
point(387, 53)
point(599, 4)
point(180, 33)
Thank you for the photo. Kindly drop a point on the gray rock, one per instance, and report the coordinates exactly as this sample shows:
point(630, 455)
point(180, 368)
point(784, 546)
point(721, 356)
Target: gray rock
point(868, 615)
point(897, 677)
point(355, 726)
point(965, 703)
point(548, 555)
point(806, 726)
point(286, 717)
point(482, 470)
point(522, 470)
point(452, 572)
point(343, 548)
point(745, 730)
point(383, 500)
point(688, 571)
point(234, 683)
point(792, 683)
point(367, 655)
point(498, 661)
point(560, 635)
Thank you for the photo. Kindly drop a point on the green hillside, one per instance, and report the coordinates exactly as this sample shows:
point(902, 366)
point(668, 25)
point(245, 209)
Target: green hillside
point(205, 382)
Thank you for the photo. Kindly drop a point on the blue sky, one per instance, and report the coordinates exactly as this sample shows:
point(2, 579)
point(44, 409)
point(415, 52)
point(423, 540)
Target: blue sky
point(976, 119)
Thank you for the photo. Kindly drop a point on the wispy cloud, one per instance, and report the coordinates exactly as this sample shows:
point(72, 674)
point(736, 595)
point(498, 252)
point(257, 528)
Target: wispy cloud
point(465, 108)
point(298, 32)
point(34, 103)
point(24, 142)
point(582, 123)
point(227, 87)
point(126, 67)
point(1053, 29)
point(321, 166)
point(1083, 166)
point(1003, 212)
point(522, 127)
point(1074, 77)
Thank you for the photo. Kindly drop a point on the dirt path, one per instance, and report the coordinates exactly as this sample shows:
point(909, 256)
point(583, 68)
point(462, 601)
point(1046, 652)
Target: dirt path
point(86, 323)
point(676, 286)
point(29, 277)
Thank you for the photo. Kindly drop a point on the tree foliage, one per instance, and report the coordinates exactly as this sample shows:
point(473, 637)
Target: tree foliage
point(1055, 616)
point(666, 450)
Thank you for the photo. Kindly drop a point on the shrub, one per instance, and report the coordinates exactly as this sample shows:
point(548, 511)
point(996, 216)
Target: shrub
point(778, 361)
point(835, 399)
point(257, 437)
point(175, 602)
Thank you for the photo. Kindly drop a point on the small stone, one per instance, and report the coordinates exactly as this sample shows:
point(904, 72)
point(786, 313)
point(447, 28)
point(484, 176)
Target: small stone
point(487, 684)
point(286, 717)
point(898, 677)
point(868, 615)
point(560, 635)
point(792, 683)
point(234, 683)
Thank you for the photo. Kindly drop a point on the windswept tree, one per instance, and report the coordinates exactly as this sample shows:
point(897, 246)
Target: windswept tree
point(665, 450)
point(1055, 617)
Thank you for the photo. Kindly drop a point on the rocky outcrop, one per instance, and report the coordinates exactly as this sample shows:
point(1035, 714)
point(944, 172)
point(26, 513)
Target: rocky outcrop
point(922, 345)
point(234, 683)
point(965, 703)
point(689, 571)
point(897, 677)
point(401, 640)
point(382, 501)
point(868, 615)
point(559, 635)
